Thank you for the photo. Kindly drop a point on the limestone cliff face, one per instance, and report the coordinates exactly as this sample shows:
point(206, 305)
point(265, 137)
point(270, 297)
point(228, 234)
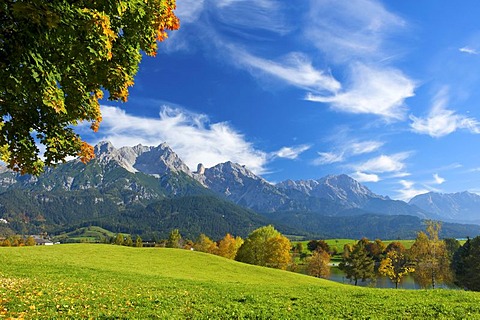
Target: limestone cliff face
point(237, 183)
point(149, 160)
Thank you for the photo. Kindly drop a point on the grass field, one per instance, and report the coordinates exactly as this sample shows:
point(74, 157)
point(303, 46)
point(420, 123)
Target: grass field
point(82, 281)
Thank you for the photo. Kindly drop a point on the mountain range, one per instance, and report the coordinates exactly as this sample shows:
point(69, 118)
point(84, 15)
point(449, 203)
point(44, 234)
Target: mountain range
point(150, 190)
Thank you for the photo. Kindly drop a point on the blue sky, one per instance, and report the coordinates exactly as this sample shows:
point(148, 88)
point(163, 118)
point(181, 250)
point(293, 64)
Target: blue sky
point(384, 91)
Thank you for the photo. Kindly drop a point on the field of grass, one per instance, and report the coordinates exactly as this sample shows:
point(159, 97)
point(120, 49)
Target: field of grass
point(82, 281)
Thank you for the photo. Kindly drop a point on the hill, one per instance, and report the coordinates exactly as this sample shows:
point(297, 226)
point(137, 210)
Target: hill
point(115, 282)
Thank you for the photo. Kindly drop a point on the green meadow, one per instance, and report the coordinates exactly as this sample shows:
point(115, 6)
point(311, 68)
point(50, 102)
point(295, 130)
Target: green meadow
point(96, 281)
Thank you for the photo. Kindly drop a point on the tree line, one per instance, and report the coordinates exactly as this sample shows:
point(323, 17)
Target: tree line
point(430, 260)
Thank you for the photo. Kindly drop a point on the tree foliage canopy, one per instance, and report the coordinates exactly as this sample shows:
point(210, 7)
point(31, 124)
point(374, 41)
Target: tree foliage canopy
point(57, 58)
point(265, 246)
point(356, 263)
point(431, 258)
point(466, 265)
point(395, 266)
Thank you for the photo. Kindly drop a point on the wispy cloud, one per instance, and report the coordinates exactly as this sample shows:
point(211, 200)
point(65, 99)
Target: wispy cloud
point(188, 11)
point(442, 121)
point(437, 179)
point(363, 147)
point(291, 152)
point(190, 135)
point(328, 158)
point(355, 29)
point(373, 90)
point(384, 163)
point(252, 14)
point(468, 50)
point(408, 190)
point(296, 69)
point(365, 177)
point(346, 147)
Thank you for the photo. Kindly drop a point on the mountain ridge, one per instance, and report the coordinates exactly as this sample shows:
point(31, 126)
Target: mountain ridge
point(124, 182)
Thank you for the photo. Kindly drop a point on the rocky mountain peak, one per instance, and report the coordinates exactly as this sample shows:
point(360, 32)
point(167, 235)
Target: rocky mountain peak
point(150, 160)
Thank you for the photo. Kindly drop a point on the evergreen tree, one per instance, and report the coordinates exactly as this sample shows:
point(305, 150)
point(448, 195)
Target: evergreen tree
point(138, 242)
point(466, 265)
point(128, 241)
point(357, 264)
point(174, 239)
point(119, 239)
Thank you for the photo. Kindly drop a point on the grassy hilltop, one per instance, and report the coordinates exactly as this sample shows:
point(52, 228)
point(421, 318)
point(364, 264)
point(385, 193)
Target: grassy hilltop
point(114, 282)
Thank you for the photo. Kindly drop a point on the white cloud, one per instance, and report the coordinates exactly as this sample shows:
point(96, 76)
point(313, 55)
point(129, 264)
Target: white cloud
point(384, 163)
point(441, 121)
point(363, 147)
point(468, 50)
point(365, 177)
point(295, 69)
point(354, 29)
point(252, 14)
point(328, 158)
point(373, 90)
point(190, 135)
point(188, 11)
point(438, 179)
point(408, 190)
point(291, 152)
point(345, 147)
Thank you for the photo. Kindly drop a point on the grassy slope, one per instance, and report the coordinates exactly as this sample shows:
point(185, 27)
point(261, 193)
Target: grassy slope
point(112, 282)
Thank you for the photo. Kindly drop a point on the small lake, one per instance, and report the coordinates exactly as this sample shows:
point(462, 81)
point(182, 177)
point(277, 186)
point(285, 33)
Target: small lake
point(408, 282)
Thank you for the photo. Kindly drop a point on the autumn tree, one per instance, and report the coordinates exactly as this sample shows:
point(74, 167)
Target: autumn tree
point(431, 259)
point(395, 266)
point(318, 265)
point(313, 245)
point(57, 58)
point(30, 241)
point(265, 246)
point(395, 246)
point(228, 246)
point(278, 254)
point(205, 244)
point(356, 263)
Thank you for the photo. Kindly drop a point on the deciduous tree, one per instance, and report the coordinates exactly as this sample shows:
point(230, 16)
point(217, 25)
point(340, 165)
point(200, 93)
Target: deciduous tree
point(228, 246)
point(30, 241)
point(265, 246)
point(318, 265)
point(57, 58)
point(205, 244)
point(431, 259)
point(395, 266)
